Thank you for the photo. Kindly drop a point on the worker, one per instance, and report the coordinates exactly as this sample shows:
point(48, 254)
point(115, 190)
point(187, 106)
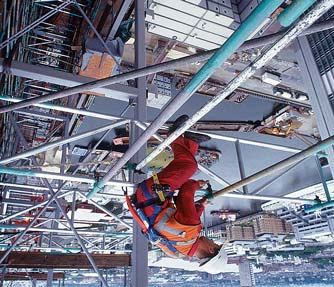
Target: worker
point(179, 221)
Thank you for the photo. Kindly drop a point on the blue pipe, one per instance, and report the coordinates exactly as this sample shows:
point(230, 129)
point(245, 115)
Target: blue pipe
point(254, 20)
point(293, 12)
point(14, 171)
point(319, 206)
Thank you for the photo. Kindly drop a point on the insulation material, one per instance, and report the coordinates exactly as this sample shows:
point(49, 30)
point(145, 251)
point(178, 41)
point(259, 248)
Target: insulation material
point(203, 24)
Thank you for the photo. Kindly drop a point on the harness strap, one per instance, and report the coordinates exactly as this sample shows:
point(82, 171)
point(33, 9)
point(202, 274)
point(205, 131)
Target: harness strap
point(135, 215)
point(158, 189)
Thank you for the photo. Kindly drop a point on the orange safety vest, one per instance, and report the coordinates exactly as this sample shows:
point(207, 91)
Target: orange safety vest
point(181, 236)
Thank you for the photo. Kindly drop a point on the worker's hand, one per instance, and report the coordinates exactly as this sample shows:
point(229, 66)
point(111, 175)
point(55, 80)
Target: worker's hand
point(204, 201)
point(202, 182)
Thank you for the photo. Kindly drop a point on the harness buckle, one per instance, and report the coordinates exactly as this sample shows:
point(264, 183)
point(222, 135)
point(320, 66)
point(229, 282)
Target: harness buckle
point(160, 189)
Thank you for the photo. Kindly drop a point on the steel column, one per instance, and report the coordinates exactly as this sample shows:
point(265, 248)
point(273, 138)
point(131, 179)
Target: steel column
point(139, 255)
point(241, 166)
point(317, 92)
point(45, 74)
point(170, 65)
point(321, 7)
point(49, 278)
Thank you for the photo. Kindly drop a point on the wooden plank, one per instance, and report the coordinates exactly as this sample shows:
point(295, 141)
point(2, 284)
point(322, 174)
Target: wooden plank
point(64, 261)
point(23, 276)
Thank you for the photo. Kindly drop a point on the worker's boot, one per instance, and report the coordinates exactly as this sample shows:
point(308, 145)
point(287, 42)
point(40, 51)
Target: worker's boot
point(178, 122)
point(198, 138)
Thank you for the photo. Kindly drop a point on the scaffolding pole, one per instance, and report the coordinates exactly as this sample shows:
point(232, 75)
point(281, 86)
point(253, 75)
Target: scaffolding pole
point(60, 142)
point(60, 207)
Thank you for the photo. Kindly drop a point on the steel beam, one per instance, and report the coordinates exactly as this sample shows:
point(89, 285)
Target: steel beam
point(321, 105)
point(64, 231)
point(25, 276)
point(44, 74)
point(269, 197)
point(139, 256)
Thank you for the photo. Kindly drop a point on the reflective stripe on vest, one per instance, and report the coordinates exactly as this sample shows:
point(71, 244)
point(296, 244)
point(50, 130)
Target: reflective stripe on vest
point(181, 236)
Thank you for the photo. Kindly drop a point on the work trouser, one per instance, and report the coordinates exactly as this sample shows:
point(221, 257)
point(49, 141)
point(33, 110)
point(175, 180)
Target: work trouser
point(176, 174)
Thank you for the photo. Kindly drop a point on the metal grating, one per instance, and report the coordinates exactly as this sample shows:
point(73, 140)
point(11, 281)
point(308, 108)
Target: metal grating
point(322, 44)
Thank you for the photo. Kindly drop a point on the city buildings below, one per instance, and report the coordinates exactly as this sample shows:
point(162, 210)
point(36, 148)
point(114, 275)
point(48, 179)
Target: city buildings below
point(257, 228)
point(310, 226)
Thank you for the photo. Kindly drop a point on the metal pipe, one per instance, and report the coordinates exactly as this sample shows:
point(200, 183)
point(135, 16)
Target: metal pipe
point(294, 11)
point(119, 18)
point(268, 197)
point(260, 13)
point(321, 7)
point(280, 165)
point(60, 142)
point(51, 175)
point(319, 206)
point(34, 24)
point(170, 65)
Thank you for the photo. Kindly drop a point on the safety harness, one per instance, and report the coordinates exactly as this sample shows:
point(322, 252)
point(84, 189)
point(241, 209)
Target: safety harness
point(158, 200)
